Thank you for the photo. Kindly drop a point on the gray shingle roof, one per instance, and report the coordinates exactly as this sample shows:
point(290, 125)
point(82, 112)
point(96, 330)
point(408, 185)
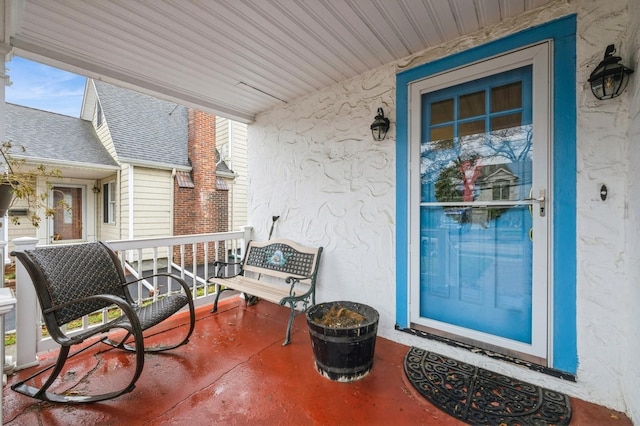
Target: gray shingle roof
point(50, 136)
point(144, 128)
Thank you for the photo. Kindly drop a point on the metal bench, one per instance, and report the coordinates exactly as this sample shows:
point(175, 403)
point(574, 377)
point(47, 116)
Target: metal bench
point(279, 271)
point(72, 281)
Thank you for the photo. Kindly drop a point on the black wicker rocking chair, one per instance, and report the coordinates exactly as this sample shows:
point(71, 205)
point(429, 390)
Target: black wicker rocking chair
point(75, 280)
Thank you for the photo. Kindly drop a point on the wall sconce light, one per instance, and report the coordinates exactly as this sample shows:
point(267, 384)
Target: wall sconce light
point(96, 189)
point(610, 78)
point(380, 126)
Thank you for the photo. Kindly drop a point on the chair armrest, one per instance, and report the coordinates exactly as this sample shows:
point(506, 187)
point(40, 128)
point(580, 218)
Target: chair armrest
point(136, 328)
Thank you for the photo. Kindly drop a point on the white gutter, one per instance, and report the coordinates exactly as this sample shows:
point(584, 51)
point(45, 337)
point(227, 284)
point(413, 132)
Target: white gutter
point(30, 160)
point(154, 164)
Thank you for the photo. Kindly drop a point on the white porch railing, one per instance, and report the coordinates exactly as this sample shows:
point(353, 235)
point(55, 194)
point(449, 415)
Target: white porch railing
point(188, 256)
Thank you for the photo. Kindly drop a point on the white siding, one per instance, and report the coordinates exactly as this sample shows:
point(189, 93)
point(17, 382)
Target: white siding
point(103, 131)
point(123, 199)
point(153, 205)
point(231, 141)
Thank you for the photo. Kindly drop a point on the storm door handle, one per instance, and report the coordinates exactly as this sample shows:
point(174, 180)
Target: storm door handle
point(541, 200)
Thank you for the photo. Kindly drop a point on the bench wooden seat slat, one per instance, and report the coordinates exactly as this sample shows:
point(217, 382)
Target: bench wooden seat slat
point(279, 271)
point(272, 292)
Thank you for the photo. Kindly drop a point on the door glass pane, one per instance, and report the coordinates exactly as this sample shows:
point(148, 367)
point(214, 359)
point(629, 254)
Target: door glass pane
point(506, 121)
point(441, 137)
point(506, 97)
point(471, 128)
point(476, 269)
point(67, 222)
point(442, 111)
point(471, 105)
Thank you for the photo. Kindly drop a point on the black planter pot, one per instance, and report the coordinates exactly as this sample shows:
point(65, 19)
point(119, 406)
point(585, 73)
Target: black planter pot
point(343, 354)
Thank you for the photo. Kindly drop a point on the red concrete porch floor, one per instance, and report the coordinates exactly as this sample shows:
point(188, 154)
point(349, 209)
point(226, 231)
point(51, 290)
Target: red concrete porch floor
point(234, 371)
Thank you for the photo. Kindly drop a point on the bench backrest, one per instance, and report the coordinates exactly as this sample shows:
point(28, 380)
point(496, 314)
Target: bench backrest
point(282, 258)
point(61, 274)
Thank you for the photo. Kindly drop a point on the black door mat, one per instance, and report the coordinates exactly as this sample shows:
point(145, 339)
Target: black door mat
point(482, 397)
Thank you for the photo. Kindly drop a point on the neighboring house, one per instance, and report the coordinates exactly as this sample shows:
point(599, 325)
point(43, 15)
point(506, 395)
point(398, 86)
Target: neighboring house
point(128, 123)
point(70, 145)
point(133, 166)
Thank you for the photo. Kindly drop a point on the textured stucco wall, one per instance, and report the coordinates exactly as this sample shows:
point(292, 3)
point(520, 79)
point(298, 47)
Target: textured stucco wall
point(631, 319)
point(602, 261)
point(314, 163)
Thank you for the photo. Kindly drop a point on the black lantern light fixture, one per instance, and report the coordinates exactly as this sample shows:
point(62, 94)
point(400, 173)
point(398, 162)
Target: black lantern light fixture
point(380, 126)
point(610, 78)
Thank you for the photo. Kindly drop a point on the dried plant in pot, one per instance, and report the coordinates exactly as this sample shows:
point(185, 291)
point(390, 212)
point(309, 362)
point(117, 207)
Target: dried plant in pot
point(19, 184)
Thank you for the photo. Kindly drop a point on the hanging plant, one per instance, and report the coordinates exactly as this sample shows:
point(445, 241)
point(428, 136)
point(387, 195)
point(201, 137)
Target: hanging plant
point(20, 185)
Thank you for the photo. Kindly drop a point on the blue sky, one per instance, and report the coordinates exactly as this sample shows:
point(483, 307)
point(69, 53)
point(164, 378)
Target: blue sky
point(39, 86)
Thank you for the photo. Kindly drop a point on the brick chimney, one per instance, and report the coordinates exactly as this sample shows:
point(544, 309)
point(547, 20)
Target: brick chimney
point(202, 208)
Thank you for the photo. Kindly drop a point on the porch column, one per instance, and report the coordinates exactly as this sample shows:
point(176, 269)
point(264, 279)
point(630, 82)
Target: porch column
point(28, 327)
point(5, 50)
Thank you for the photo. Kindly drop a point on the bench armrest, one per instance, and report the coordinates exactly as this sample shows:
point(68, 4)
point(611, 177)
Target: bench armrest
point(219, 266)
point(292, 281)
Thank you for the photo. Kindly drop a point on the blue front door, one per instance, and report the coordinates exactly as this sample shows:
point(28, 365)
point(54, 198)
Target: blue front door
point(482, 207)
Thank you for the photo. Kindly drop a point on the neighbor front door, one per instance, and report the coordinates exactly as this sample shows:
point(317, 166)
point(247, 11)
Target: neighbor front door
point(68, 221)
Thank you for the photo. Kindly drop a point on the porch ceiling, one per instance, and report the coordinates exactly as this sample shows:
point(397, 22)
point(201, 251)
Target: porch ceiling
point(237, 58)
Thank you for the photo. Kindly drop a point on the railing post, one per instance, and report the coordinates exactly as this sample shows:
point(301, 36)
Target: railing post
point(7, 302)
point(247, 230)
point(27, 314)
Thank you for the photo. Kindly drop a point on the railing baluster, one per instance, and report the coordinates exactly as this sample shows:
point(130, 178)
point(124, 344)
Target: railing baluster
point(194, 268)
point(205, 249)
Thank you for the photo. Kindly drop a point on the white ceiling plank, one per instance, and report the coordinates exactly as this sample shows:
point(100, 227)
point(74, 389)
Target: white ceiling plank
point(488, 12)
point(511, 8)
point(387, 32)
point(443, 17)
point(351, 31)
point(465, 15)
point(423, 22)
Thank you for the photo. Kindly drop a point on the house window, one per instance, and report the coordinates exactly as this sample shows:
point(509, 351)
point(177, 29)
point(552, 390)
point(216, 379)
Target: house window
point(109, 202)
point(501, 190)
point(99, 115)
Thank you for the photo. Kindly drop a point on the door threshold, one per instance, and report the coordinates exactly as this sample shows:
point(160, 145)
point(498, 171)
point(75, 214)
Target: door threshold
point(491, 354)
